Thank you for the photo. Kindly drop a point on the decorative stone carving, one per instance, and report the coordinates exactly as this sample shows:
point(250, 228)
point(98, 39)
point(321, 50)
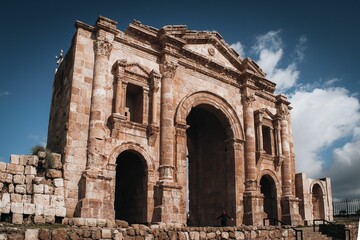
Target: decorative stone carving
point(103, 48)
point(155, 80)
point(166, 172)
point(168, 69)
point(248, 100)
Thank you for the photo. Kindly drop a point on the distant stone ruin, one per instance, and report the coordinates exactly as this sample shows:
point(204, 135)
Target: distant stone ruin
point(165, 125)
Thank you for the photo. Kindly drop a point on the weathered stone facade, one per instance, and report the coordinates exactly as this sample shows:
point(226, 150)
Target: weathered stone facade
point(153, 124)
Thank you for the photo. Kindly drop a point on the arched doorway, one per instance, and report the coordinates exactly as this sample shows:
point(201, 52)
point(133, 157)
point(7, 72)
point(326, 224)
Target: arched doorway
point(268, 189)
point(131, 187)
point(211, 178)
point(318, 202)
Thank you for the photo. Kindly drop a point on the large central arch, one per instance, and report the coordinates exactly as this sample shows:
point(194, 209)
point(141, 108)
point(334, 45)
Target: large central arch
point(213, 144)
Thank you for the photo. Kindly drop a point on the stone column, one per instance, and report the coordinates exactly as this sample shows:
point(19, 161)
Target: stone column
point(259, 132)
point(286, 168)
point(250, 146)
point(145, 115)
point(98, 98)
point(118, 94)
point(154, 87)
point(167, 122)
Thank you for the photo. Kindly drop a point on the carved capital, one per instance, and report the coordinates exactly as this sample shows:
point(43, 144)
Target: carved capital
point(283, 113)
point(278, 162)
point(248, 100)
point(155, 80)
point(103, 48)
point(168, 69)
point(181, 129)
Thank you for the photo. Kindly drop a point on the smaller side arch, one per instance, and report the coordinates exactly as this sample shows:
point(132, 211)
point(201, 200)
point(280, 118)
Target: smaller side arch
point(126, 146)
point(313, 183)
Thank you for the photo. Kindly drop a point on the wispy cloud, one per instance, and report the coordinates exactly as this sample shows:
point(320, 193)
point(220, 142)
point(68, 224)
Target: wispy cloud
point(270, 50)
point(239, 48)
point(4, 93)
point(332, 81)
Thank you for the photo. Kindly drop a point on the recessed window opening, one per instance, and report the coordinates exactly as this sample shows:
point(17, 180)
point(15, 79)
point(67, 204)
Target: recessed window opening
point(134, 103)
point(266, 133)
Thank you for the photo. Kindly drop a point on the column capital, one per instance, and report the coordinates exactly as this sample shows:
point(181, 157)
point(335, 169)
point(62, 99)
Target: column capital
point(103, 48)
point(168, 69)
point(248, 100)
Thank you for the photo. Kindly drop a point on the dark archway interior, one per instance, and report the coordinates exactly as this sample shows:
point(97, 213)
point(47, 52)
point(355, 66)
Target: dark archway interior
point(209, 168)
point(130, 188)
point(268, 189)
point(318, 202)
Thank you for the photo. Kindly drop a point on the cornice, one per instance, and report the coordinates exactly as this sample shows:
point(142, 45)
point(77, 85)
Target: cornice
point(85, 26)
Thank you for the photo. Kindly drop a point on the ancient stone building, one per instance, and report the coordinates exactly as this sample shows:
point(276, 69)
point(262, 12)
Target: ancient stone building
point(154, 123)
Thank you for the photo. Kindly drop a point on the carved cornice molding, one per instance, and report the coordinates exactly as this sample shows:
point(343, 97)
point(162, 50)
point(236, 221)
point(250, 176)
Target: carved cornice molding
point(103, 48)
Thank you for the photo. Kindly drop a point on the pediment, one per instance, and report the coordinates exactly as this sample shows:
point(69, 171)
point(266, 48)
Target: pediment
point(131, 68)
point(213, 53)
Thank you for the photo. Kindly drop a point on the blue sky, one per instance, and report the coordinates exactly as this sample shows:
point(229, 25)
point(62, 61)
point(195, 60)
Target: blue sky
point(309, 48)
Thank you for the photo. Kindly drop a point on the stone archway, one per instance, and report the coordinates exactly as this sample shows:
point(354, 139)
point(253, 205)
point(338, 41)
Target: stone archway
point(130, 202)
point(318, 202)
point(269, 190)
point(213, 142)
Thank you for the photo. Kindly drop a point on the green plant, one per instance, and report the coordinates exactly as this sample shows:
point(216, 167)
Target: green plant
point(49, 159)
point(358, 212)
point(342, 212)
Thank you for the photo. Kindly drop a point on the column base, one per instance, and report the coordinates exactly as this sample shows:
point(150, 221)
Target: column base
point(95, 190)
point(290, 211)
point(169, 207)
point(253, 208)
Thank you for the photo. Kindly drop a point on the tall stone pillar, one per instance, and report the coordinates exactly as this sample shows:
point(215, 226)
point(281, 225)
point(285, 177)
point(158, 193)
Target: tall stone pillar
point(289, 203)
point(167, 191)
point(94, 186)
point(167, 122)
point(253, 200)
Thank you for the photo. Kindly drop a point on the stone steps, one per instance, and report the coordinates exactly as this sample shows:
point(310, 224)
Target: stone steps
point(309, 234)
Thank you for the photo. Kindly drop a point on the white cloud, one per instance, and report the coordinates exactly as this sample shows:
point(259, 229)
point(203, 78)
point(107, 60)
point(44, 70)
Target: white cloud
point(239, 48)
point(4, 93)
point(321, 117)
point(269, 47)
point(331, 81)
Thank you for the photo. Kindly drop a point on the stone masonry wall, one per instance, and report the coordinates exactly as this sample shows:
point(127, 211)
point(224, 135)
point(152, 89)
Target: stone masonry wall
point(32, 189)
point(152, 232)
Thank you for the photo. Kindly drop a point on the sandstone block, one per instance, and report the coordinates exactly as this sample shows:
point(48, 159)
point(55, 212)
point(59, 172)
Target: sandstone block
point(32, 234)
point(3, 236)
point(59, 191)
point(58, 182)
point(38, 219)
point(48, 189)
point(11, 188)
point(33, 160)
point(49, 210)
point(57, 201)
point(38, 188)
point(91, 222)
point(29, 178)
point(14, 197)
point(39, 209)
point(1, 185)
point(49, 218)
point(41, 199)
point(6, 177)
point(26, 198)
point(17, 218)
point(29, 188)
point(2, 167)
point(15, 168)
point(105, 233)
point(54, 173)
point(19, 179)
point(29, 208)
point(17, 207)
point(101, 222)
point(37, 180)
point(5, 207)
point(15, 159)
point(21, 188)
point(5, 197)
point(56, 163)
point(77, 221)
point(30, 170)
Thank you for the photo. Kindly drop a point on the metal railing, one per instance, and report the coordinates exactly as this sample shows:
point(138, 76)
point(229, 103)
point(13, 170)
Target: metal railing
point(346, 207)
point(277, 221)
point(333, 229)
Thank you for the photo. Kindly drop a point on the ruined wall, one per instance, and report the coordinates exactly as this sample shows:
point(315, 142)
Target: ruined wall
point(32, 189)
point(152, 232)
point(312, 194)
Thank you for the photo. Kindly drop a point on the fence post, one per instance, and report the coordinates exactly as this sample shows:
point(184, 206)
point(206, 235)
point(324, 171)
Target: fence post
point(347, 207)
